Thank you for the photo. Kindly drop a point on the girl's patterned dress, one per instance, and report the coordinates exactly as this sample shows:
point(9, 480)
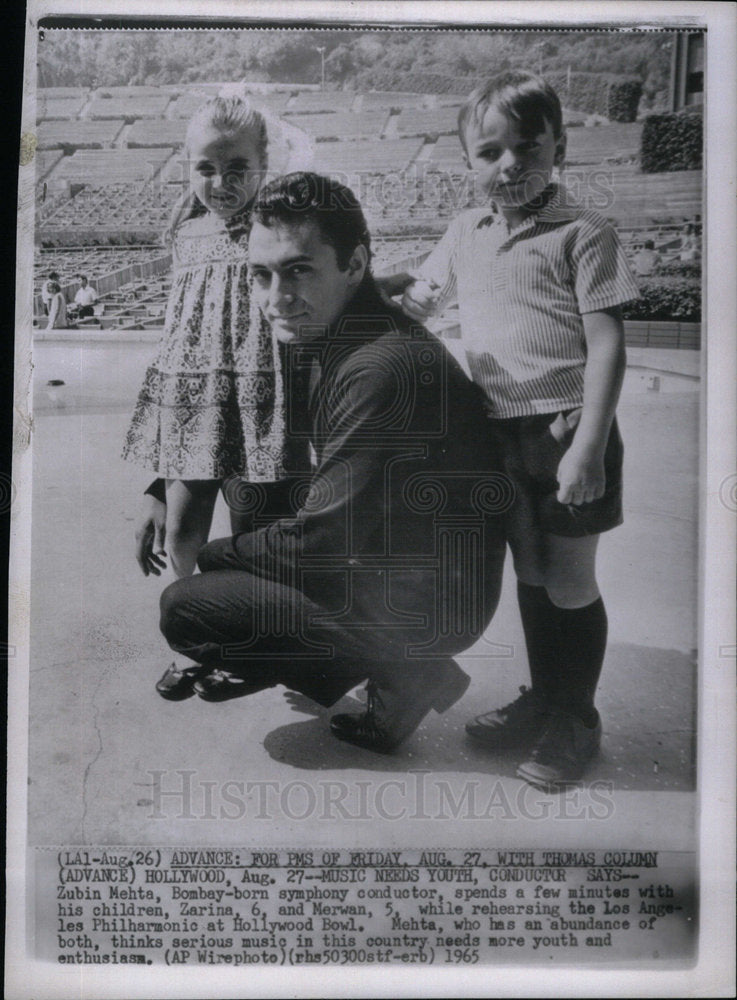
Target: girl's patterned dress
point(211, 402)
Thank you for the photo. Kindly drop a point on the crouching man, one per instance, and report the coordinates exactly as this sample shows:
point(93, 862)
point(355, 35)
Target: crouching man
point(387, 559)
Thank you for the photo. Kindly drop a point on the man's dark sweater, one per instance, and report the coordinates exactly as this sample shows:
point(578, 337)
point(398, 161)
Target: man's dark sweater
point(397, 533)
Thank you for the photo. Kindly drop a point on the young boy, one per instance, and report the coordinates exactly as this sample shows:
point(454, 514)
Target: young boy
point(538, 280)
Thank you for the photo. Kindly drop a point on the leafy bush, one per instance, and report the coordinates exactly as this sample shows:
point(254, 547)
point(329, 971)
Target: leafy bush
point(615, 97)
point(666, 298)
point(623, 99)
point(672, 142)
point(681, 268)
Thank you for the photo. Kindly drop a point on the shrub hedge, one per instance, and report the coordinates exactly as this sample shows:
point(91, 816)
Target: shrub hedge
point(672, 142)
point(682, 268)
point(665, 298)
point(615, 97)
point(623, 99)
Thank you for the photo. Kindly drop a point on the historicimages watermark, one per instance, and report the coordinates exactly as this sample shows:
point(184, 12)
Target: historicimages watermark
point(418, 795)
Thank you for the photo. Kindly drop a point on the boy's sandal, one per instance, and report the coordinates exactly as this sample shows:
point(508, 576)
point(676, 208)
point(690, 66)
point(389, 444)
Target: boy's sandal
point(176, 684)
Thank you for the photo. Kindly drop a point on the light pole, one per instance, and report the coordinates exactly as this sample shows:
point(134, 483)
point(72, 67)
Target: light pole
point(540, 47)
point(321, 50)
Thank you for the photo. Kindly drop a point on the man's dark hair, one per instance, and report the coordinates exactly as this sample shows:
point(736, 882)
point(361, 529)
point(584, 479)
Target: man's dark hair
point(53, 275)
point(525, 98)
point(307, 197)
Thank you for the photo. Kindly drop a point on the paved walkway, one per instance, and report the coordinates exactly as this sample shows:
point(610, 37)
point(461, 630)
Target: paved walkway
point(104, 746)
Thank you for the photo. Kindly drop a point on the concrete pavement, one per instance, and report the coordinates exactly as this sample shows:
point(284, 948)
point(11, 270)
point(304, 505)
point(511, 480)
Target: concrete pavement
point(111, 762)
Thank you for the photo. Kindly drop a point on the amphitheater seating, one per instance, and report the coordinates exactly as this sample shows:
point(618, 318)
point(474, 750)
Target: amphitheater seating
point(275, 103)
point(54, 93)
point(342, 125)
point(377, 99)
point(93, 261)
point(78, 134)
point(115, 205)
point(111, 166)
point(351, 159)
point(133, 91)
point(414, 121)
point(185, 105)
point(447, 154)
point(622, 193)
point(164, 132)
point(58, 108)
point(387, 253)
point(599, 143)
point(133, 285)
point(45, 163)
point(144, 106)
point(410, 186)
point(315, 101)
point(208, 89)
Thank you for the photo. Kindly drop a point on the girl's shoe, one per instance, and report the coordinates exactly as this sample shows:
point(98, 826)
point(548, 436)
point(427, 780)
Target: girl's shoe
point(176, 684)
point(219, 685)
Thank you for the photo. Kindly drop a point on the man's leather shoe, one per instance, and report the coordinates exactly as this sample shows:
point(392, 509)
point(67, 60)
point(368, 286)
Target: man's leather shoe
point(396, 707)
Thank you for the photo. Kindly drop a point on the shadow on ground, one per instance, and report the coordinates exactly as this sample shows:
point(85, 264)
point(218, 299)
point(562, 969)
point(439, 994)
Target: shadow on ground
point(646, 702)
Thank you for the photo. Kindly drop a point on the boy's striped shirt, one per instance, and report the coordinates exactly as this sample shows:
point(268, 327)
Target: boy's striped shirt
point(521, 295)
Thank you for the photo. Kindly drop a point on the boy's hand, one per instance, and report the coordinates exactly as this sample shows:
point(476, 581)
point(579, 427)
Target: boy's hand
point(420, 299)
point(150, 537)
point(581, 477)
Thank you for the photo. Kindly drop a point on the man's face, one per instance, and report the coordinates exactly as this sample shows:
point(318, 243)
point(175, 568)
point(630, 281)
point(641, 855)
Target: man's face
point(297, 283)
point(513, 166)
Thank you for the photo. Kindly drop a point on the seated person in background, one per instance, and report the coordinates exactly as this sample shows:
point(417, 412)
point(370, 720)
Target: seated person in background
point(46, 293)
point(646, 259)
point(85, 298)
point(57, 308)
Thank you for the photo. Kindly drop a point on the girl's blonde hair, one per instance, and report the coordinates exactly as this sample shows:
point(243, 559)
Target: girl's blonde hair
point(229, 115)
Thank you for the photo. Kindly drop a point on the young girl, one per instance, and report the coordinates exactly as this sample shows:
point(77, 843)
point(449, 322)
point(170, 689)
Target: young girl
point(211, 402)
point(210, 405)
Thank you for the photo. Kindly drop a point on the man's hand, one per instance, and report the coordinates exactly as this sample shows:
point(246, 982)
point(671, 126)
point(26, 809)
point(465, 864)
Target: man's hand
point(150, 537)
point(581, 476)
point(420, 299)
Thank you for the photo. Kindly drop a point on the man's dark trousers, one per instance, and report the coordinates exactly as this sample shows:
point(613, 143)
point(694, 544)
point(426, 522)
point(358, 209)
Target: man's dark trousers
point(388, 559)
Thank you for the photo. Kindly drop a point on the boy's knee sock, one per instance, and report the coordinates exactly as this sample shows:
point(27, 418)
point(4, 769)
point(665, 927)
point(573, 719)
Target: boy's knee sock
point(583, 637)
point(541, 625)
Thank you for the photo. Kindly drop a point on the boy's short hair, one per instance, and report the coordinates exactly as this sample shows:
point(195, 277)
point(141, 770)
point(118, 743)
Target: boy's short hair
point(53, 275)
point(304, 196)
point(525, 98)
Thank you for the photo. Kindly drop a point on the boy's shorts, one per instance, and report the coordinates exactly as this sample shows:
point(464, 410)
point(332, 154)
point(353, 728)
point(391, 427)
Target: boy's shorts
point(531, 449)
